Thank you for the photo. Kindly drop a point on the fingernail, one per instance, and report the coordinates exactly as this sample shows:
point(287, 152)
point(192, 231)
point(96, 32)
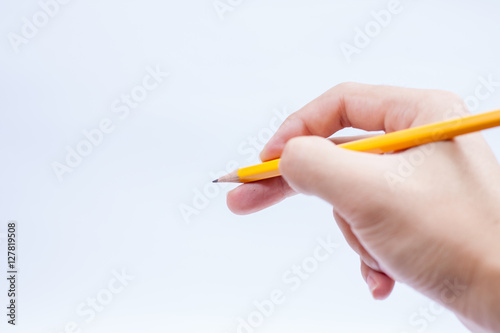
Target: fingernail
point(372, 284)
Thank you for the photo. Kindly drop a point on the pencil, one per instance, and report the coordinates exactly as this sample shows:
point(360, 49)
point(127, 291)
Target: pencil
point(384, 143)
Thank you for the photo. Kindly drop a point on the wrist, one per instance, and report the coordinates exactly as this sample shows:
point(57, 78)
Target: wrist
point(481, 305)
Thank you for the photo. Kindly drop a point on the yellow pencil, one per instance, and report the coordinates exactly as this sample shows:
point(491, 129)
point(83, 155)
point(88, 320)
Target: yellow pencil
point(385, 143)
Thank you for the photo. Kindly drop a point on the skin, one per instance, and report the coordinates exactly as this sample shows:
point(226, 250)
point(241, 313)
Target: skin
point(434, 226)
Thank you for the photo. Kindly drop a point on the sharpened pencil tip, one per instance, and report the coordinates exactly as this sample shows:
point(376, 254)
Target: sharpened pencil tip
point(215, 181)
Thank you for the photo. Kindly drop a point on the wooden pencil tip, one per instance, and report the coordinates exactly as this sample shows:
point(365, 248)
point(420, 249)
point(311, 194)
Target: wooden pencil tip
point(215, 181)
point(229, 178)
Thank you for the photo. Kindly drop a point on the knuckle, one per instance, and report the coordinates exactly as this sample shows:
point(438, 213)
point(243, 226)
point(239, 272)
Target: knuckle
point(445, 96)
point(444, 104)
point(346, 86)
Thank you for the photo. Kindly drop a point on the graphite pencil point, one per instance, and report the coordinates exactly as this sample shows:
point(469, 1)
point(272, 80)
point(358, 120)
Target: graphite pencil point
point(229, 178)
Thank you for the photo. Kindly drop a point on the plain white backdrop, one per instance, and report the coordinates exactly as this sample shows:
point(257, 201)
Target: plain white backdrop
point(133, 237)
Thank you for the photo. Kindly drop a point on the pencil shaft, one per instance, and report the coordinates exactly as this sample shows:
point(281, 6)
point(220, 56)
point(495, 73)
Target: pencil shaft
point(391, 141)
point(416, 136)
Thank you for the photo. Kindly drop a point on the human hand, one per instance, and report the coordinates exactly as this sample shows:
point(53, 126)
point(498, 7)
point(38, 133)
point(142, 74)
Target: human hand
point(434, 225)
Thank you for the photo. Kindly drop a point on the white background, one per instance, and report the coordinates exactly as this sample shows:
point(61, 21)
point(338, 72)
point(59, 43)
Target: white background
point(120, 209)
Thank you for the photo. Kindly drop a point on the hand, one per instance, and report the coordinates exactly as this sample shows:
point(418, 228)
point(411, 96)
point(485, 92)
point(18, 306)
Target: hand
point(428, 217)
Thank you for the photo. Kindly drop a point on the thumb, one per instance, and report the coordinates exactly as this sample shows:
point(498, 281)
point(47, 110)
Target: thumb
point(314, 165)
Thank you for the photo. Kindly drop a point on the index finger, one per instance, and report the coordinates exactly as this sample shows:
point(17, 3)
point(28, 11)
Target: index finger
point(367, 107)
